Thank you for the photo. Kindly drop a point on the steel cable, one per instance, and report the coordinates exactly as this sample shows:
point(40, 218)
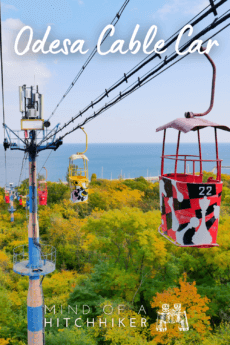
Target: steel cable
point(131, 73)
point(136, 86)
point(93, 53)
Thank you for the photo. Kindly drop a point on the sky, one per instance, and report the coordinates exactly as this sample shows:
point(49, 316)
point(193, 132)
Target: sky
point(184, 87)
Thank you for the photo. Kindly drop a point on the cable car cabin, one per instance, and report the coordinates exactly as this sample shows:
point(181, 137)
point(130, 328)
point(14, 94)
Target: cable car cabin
point(20, 200)
point(23, 201)
point(78, 178)
point(27, 202)
point(42, 193)
point(190, 206)
point(7, 197)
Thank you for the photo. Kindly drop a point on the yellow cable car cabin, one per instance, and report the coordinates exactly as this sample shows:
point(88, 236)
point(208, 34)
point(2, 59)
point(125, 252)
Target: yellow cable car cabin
point(23, 198)
point(78, 178)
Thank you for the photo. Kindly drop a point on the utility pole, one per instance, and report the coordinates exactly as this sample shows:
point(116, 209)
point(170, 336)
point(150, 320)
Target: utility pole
point(35, 260)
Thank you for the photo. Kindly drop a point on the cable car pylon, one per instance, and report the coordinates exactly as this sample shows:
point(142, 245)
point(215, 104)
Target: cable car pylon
point(190, 206)
point(35, 260)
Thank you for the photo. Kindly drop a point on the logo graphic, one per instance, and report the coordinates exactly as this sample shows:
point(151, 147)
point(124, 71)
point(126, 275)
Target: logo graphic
point(175, 315)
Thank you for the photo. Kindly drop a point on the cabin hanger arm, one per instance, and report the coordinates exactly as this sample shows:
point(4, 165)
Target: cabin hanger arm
point(190, 114)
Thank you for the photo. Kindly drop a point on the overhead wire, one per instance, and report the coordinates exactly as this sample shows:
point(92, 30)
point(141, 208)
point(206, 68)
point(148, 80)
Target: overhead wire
point(2, 82)
point(141, 82)
point(22, 167)
point(201, 33)
point(138, 65)
point(45, 161)
point(2, 79)
point(93, 53)
point(130, 73)
point(147, 57)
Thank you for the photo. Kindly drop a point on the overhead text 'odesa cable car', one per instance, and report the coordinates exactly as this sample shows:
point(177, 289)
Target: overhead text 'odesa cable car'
point(78, 176)
point(190, 206)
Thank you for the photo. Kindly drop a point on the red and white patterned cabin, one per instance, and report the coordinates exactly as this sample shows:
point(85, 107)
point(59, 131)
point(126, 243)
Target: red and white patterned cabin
point(190, 206)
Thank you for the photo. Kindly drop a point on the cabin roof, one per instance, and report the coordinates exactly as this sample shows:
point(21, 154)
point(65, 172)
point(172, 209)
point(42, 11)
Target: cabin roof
point(193, 124)
point(76, 156)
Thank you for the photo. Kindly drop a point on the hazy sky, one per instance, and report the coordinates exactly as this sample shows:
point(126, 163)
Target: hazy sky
point(184, 87)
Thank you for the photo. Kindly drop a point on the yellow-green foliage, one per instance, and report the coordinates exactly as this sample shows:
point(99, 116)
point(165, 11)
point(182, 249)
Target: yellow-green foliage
point(109, 251)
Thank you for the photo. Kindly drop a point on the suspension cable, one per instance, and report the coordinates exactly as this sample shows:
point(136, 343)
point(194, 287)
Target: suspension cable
point(2, 82)
point(141, 82)
point(152, 56)
point(168, 40)
point(45, 161)
point(23, 161)
point(3, 107)
point(167, 60)
point(93, 53)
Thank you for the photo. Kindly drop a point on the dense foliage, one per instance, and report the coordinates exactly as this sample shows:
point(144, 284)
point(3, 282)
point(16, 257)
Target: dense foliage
point(111, 258)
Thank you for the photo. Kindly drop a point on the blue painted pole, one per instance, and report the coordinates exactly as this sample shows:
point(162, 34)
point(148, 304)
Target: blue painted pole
point(35, 295)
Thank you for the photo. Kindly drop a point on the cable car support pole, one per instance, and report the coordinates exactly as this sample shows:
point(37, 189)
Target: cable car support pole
point(34, 298)
point(177, 151)
point(86, 138)
point(218, 163)
point(163, 153)
point(200, 154)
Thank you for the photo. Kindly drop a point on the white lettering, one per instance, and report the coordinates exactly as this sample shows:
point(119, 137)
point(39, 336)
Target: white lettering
point(142, 309)
point(18, 38)
point(146, 43)
point(84, 309)
point(102, 322)
point(119, 44)
point(194, 46)
point(66, 322)
point(102, 37)
point(48, 322)
point(105, 311)
point(88, 322)
point(53, 307)
point(209, 46)
point(132, 43)
point(69, 307)
point(80, 44)
point(121, 309)
point(65, 50)
point(55, 44)
point(121, 322)
point(76, 322)
point(180, 36)
point(143, 322)
point(42, 43)
point(132, 322)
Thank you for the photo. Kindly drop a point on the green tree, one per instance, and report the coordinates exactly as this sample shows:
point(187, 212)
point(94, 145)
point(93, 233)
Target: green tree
point(57, 192)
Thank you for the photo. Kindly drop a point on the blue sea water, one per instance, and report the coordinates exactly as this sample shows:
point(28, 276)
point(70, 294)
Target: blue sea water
point(111, 160)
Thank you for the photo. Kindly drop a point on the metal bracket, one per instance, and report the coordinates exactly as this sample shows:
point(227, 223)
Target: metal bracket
point(213, 7)
point(190, 114)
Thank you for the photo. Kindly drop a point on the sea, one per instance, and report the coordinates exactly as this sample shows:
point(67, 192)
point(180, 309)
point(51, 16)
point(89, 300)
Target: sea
point(111, 161)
